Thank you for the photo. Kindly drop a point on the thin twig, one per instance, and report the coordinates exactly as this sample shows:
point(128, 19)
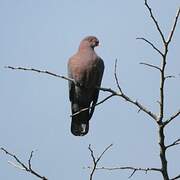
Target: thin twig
point(176, 142)
point(127, 98)
point(98, 159)
point(169, 76)
point(177, 177)
point(136, 103)
point(23, 166)
point(151, 44)
point(29, 160)
point(155, 21)
point(95, 161)
point(41, 71)
point(150, 65)
point(110, 91)
point(140, 106)
point(115, 76)
point(174, 26)
point(172, 117)
point(16, 165)
point(100, 102)
point(134, 169)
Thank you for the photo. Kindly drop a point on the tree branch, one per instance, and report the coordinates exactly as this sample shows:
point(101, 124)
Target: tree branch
point(95, 161)
point(176, 142)
point(150, 65)
point(134, 169)
point(155, 21)
point(41, 71)
point(127, 98)
point(23, 166)
point(113, 93)
point(169, 76)
point(161, 124)
point(136, 103)
point(115, 76)
point(174, 26)
point(151, 44)
point(140, 106)
point(172, 117)
point(100, 102)
point(177, 177)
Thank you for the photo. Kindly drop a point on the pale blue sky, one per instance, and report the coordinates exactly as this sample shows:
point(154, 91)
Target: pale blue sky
point(35, 109)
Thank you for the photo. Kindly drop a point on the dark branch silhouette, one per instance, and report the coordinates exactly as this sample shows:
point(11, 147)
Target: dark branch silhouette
point(133, 169)
point(23, 166)
point(150, 65)
point(96, 160)
point(172, 117)
point(176, 142)
point(155, 21)
point(41, 71)
point(113, 92)
point(152, 45)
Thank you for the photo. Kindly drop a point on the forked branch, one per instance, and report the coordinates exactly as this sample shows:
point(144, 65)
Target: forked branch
point(20, 165)
point(113, 92)
point(176, 142)
point(133, 169)
point(96, 160)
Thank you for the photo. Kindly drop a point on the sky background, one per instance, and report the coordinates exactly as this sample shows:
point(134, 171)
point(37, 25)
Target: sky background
point(35, 109)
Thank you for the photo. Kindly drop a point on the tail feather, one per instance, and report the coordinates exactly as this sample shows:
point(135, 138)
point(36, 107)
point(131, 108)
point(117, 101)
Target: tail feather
point(80, 123)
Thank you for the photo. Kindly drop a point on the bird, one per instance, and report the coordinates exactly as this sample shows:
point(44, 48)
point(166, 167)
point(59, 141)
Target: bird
point(86, 70)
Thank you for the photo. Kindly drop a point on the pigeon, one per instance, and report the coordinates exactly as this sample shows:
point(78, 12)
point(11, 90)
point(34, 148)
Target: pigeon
point(86, 69)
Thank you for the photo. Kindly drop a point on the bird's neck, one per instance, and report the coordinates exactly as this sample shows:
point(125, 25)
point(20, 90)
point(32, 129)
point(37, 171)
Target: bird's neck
point(84, 47)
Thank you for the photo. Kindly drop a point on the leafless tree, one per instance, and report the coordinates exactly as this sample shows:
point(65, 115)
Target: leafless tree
point(158, 118)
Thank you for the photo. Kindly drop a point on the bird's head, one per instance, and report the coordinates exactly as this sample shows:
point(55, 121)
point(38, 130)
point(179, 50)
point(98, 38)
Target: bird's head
point(89, 41)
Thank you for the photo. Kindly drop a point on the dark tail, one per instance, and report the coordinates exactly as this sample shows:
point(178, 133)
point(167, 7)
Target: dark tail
point(80, 122)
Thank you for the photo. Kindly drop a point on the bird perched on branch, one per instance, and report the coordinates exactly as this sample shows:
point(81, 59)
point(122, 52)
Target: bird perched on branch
point(86, 69)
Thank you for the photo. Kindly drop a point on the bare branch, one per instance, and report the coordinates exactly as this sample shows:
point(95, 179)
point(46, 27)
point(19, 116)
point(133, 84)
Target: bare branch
point(110, 91)
point(177, 177)
point(22, 165)
point(136, 103)
point(95, 161)
point(114, 93)
point(155, 22)
point(41, 71)
point(176, 142)
point(172, 117)
point(140, 106)
point(174, 26)
point(116, 78)
point(151, 44)
point(98, 159)
point(16, 165)
point(29, 160)
point(150, 65)
point(169, 76)
point(134, 169)
point(100, 102)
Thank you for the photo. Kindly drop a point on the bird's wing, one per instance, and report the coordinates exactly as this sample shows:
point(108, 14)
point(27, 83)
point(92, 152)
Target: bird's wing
point(99, 74)
point(71, 84)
